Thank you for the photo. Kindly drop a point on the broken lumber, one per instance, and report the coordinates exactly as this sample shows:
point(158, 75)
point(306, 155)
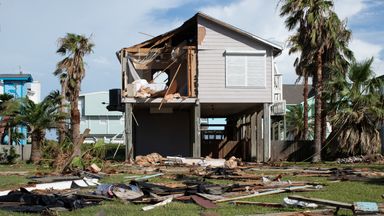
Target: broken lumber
point(162, 203)
point(264, 193)
point(203, 202)
point(322, 202)
point(76, 150)
point(265, 204)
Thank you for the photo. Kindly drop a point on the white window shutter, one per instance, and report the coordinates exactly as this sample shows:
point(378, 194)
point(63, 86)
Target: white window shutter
point(256, 70)
point(236, 66)
point(245, 69)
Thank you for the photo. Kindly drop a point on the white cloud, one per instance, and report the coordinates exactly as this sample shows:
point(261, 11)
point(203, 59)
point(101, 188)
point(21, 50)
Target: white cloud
point(364, 50)
point(101, 60)
point(348, 8)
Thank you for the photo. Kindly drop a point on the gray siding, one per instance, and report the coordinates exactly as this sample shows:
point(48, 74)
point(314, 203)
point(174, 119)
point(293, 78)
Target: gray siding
point(211, 67)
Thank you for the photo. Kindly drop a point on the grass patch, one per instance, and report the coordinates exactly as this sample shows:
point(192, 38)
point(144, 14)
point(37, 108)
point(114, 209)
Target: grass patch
point(347, 191)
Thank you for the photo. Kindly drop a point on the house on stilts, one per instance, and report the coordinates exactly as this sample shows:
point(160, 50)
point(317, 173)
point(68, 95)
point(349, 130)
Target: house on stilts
point(201, 70)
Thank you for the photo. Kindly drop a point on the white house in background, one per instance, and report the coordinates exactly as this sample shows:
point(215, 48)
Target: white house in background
point(34, 91)
point(95, 116)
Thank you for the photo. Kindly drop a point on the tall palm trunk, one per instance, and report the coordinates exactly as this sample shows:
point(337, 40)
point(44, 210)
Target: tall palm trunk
point(75, 123)
point(36, 136)
point(61, 125)
point(305, 95)
point(318, 102)
point(323, 121)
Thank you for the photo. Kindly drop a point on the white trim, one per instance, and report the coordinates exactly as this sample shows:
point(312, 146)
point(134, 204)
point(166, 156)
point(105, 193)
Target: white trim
point(245, 52)
point(273, 79)
point(93, 93)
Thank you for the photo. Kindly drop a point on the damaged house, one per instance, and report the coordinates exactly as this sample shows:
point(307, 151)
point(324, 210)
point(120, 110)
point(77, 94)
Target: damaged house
point(203, 69)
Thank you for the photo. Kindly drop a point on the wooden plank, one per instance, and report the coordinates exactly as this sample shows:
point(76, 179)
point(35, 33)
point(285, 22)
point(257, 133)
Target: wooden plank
point(264, 193)
point(196, 148)
point(203, 202)
point(189, 77)
point(251, 195)
point(162, 203)
point(322, 202)
point(142, 50)
point(265, 204)
point(259, 135)
point(193, 73)
point(170, 85)
point(253, 136)
point(266, 131)
point(128, 132)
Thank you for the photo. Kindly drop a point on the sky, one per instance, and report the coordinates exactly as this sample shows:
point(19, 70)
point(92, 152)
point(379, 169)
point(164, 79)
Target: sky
point(29, 31)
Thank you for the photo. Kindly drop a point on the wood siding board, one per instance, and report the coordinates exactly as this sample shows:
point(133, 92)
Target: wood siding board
point(211, 65)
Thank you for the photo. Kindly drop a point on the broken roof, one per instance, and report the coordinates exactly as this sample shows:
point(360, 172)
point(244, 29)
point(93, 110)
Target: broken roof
point(16, 77)
point(192, 20)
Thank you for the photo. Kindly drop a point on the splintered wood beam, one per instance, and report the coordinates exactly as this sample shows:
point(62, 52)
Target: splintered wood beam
point(189, 72)
point(142, 50)
point(322, 202)
point(170, 84)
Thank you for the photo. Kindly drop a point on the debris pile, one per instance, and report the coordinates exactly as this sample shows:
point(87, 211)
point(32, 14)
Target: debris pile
point(191, 180)
point(150, 159)
point(376, 158)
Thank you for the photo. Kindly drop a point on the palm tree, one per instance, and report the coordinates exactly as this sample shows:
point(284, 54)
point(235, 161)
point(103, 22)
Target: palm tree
point(302, 70)
point(74, 47)
point(61, 127)
point(8, 109)
point(38, 118)
point(295, 124)
point(318, 28)
point(359, 111)
point(336, 57)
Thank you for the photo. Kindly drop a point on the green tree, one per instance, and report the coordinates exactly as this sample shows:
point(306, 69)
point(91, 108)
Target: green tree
point(317, 37)
point(38, 118)
point(8, 109)
point(74, 47)
point(61, 126)
point(359, 111)
point(295, 124)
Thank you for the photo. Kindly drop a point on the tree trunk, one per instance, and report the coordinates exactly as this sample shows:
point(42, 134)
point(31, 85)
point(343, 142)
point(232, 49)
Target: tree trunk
point(323, 121)
point(35, 148)
point(61, 125)
point(318, 97)
point(305, 95)
point(75, 124)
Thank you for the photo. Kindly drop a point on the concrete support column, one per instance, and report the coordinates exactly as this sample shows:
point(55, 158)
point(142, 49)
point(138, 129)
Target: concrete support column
point(128, 132)
point(266, 132)
point(196, 145)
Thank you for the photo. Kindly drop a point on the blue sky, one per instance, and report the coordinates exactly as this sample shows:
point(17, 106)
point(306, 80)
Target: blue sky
point(29, 30)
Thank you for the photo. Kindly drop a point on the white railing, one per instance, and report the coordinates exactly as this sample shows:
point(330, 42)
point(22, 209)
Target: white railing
point(278, 108)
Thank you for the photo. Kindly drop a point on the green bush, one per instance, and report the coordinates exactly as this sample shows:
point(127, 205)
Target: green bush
point(9, 156)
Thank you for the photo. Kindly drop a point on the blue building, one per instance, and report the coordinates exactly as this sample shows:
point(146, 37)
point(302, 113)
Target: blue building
point(16, 85)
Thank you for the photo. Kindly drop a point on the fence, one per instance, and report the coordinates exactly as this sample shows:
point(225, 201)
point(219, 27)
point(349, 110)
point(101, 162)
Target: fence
point(291, 150)
point(23, 150)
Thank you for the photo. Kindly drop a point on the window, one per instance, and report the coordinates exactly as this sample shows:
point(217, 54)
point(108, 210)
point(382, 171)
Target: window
point(245, 68)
